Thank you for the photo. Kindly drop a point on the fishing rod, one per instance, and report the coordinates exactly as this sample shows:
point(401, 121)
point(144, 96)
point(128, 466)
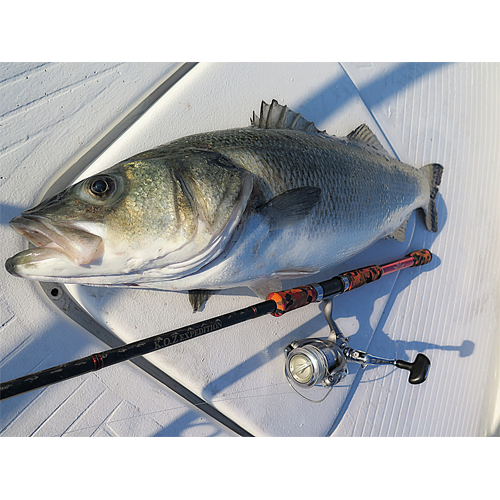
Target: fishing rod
point(276, 304)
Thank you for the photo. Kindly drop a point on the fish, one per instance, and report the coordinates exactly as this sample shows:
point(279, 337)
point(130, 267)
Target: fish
point(249, 206)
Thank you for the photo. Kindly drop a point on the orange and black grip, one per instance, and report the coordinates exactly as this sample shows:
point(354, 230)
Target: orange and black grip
point(288, 300)
point(360, 277)
point(420, 257)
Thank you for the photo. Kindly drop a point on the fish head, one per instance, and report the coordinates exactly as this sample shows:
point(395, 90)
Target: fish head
point(167, 211)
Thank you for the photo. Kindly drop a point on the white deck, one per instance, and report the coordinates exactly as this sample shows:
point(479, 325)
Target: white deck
point(52, 114)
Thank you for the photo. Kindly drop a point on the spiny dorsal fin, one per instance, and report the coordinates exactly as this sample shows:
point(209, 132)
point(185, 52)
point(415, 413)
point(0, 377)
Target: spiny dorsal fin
point(275, 115)
point(364, 135)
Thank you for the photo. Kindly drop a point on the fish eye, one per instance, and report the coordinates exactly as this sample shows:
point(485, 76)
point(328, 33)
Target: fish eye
point(101, 187)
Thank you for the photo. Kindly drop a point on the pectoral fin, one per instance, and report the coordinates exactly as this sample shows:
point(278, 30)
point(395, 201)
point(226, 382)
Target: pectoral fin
point(291, 206)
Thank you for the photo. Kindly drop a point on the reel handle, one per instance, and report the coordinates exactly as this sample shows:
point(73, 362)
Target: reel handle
point(418, 369)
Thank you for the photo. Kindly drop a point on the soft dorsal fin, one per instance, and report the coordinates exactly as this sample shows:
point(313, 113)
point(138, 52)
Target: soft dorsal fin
point(365, 136)
point(275, 115)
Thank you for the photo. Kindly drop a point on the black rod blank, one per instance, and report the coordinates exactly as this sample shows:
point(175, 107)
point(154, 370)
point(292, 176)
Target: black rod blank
point(128, 351)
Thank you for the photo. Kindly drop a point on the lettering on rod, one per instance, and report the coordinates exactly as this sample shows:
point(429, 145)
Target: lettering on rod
point(174, 338)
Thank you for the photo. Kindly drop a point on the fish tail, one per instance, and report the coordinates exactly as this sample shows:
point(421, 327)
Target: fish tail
point(433, 172)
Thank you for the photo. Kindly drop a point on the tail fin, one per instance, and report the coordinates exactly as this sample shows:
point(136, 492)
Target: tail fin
point(434, 172)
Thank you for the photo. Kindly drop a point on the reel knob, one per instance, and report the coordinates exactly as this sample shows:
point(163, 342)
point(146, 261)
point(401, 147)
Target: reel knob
point(418, 369)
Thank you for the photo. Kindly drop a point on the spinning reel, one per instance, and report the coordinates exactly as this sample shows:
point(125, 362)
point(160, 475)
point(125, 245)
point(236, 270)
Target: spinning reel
point(323, 362)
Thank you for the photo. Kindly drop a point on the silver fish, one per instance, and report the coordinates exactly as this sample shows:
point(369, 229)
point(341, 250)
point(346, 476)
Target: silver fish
point(241, 207)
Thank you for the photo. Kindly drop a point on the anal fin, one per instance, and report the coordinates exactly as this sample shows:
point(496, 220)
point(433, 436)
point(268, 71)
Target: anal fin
point(400, 233)
point(433, 172)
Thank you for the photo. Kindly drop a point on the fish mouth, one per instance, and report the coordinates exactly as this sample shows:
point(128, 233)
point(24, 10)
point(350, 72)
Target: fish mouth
point(53, 240)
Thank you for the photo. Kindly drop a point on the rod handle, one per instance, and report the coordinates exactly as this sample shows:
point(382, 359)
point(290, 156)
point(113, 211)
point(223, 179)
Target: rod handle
point(420, 257)
point(360, 277)
point(418, 369)
point(291, 299)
